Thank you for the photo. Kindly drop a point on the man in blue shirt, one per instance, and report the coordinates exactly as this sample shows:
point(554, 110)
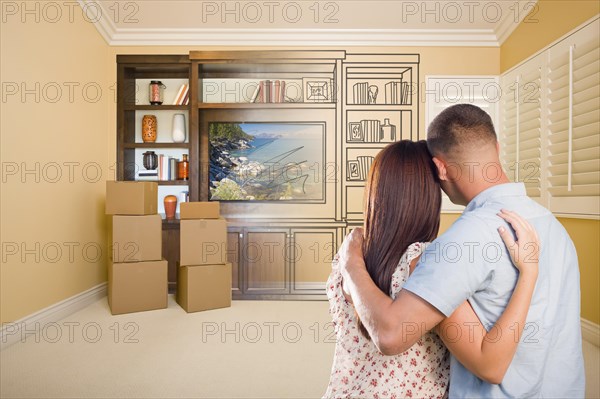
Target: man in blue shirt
point(470, 262)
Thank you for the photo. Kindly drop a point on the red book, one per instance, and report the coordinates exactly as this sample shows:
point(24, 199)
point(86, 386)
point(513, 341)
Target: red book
point(277, 92)
point(261, 92)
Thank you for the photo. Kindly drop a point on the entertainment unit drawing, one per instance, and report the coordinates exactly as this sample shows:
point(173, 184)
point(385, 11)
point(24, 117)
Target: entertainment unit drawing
point(284, 140)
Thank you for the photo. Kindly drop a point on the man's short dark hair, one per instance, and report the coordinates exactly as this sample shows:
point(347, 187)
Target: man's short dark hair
point(459, 128)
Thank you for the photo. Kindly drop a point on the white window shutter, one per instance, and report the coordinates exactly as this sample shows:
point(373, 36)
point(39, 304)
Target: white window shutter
point(508, 124)
point(573, 88)
point(521, 126)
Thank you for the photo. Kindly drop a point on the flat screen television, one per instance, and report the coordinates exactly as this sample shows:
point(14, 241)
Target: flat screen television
point(266, 161)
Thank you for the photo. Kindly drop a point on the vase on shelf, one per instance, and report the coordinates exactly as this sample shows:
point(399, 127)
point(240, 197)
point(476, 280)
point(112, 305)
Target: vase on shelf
point(155, 92)
point(149, 126)
point(183, 168)
point(150, 160)
point(388, 131)
point(178, 132)
point(170, 206)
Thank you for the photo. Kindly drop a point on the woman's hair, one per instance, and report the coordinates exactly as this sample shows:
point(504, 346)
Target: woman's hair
point(402, 206)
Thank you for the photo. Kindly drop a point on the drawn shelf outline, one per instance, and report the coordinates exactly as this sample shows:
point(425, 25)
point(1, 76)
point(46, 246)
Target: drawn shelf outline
point(381, 106)
point(358, 169)
point(396, 93)
point(318, 89)
point(371, 131)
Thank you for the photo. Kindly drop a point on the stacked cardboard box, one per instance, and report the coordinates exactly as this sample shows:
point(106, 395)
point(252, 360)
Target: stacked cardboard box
point(137, 274)
point(203, 276)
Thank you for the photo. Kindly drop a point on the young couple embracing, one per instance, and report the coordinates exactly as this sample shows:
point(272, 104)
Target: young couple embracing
point(489, 309)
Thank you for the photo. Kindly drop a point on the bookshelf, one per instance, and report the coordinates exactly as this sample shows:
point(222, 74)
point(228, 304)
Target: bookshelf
point(222, 85)
point(134, 74)
point(381, 106)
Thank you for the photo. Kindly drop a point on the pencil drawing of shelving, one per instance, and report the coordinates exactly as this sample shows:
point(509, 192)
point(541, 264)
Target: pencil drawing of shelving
point(380, 106)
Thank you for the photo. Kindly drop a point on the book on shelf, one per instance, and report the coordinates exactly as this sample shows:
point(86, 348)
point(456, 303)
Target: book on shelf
point(371, 130)
point(186, 97)
point(397, 92)
point(178, 95)
point(172, 168)
point(151, 175)
point(269, 91)
point(405, 92)
point(267, 96)
point(261, 91)
point(255, 94)
point(282, 92)
point(167, 168)
point(182, 97)
point(360, 93)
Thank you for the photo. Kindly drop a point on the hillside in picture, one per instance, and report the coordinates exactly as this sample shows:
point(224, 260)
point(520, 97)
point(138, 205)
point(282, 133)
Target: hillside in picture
point(266, 161)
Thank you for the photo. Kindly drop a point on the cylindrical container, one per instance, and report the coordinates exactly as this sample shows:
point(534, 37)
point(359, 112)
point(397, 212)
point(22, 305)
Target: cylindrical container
point(170, 206)
point(150, 160)
point(183, 169)
point(178, 128)
point(156, 92)
point(149, 126)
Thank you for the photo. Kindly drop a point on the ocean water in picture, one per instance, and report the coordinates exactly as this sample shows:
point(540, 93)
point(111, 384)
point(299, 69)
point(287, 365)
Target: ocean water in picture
point(266, 161)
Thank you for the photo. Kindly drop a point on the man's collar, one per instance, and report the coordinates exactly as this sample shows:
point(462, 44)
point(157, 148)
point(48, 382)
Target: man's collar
point(499, 190)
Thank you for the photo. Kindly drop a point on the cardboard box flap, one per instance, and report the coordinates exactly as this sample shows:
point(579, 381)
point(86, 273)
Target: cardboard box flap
point(200, 210)
point(131, 198)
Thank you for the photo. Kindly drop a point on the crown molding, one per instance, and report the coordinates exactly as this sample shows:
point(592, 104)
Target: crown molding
point(301, 37)
point(116, 36)
point(507, 26)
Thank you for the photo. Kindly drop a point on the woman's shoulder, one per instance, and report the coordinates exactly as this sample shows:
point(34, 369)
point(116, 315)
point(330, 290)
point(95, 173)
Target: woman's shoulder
point(414, 250)
point(403, 269)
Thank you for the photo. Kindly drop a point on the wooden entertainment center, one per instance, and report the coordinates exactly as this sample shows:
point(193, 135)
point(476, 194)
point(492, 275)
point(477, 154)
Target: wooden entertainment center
point(279, 249)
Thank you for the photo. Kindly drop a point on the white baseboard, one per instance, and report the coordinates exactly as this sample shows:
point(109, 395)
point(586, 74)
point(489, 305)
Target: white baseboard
point(590, 332)
point(12, 332)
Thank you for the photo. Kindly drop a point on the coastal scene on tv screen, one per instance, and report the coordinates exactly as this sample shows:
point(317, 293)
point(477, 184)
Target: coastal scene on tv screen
point(266, 161)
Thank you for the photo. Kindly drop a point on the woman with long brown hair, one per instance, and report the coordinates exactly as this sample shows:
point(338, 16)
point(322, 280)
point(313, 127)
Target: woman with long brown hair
point(402, 216)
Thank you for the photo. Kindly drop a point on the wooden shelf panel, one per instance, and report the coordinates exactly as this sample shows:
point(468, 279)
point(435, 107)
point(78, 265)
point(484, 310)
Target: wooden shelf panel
point(374, 144)
point(379, 107)
point(173, 182)
point(156, 145)
point(266, 105)
point(167, 182)
point(133, 107)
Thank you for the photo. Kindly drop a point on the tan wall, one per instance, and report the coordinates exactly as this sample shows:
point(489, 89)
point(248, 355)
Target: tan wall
point(586, 236)
point(551, 20)
point(52, 132)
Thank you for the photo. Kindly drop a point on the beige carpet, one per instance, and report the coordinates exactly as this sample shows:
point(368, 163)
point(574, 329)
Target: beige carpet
point(280, 350)
point(255, 349)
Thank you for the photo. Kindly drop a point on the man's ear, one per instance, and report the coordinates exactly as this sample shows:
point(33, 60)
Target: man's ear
point(497, 146)
point(441, 168)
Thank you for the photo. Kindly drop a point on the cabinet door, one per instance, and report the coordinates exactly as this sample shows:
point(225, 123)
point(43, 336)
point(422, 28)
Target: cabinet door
point(265, 261)
point(234, 245)
point(170, 252)
point(313, 251)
